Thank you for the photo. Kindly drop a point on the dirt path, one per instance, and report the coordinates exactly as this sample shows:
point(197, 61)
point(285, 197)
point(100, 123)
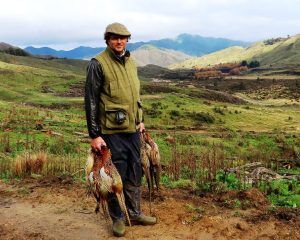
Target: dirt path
point(51, 210)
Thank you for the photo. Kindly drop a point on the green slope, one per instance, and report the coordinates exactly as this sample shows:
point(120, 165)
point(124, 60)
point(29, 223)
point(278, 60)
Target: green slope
point(285, 51)
point(77, 66)
point(24, 79)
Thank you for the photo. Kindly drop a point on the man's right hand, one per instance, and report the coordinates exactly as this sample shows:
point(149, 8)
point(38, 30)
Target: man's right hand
point(96, 143)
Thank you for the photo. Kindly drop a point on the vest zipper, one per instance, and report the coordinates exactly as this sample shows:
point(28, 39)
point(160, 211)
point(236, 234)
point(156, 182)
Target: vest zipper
point(134, 102)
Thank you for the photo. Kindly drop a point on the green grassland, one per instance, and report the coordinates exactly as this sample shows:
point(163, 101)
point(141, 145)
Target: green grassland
point(210, 134)
point(22, 79)
point(283, 51)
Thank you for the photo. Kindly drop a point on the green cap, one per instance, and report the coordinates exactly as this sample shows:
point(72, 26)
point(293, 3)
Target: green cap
point(118, 29)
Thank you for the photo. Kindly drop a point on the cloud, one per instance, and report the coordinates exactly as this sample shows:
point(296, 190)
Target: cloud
point(69, 23)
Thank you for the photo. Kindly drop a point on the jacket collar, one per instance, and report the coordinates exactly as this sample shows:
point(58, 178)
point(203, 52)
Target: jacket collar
point(122, 59)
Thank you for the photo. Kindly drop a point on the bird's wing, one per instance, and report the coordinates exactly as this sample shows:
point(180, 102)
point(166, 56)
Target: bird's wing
point(91, 177)
point(89, 164)
point(105, 180)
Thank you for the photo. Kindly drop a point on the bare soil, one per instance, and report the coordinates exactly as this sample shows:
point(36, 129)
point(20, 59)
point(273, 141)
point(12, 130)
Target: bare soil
point(55, 208)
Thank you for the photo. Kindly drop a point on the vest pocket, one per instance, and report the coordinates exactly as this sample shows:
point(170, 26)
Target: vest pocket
point(112, 116)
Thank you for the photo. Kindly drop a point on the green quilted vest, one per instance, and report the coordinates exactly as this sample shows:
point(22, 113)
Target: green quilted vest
point(120, 92)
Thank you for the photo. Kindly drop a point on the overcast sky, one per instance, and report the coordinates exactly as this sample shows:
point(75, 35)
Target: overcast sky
point(65, 24)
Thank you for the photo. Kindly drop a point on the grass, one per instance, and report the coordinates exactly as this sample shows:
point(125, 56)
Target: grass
point(208, 136)
point(24, 83)
point(236, 117)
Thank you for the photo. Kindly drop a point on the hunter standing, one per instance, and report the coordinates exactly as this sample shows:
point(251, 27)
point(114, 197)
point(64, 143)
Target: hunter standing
point(114, 119)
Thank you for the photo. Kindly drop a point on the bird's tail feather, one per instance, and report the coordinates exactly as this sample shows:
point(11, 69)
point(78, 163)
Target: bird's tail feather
point(150, 186)
point(105, 211)
point(121, 200)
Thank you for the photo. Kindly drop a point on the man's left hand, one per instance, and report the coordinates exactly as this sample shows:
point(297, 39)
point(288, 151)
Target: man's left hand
point(142, 127)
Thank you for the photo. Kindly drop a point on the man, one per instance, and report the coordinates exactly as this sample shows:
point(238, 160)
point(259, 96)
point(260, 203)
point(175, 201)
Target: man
point(114, 119)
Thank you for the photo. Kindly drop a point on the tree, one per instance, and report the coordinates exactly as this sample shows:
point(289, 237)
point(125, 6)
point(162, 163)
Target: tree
point(244, 63)
point(254, 64)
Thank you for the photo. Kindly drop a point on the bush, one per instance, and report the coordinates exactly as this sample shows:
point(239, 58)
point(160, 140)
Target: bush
point(153, 113)
point(284, 192)
point(219, 110)
point(229, 179)
point(244, 63)
point(175, 113)
point(201, 117)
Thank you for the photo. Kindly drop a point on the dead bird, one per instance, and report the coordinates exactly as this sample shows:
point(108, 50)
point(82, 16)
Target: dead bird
point(151, 162)
point(103, 178)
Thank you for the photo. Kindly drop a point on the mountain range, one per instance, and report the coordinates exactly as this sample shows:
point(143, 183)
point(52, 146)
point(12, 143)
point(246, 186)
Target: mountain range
point(171, 53)
point(193, 45)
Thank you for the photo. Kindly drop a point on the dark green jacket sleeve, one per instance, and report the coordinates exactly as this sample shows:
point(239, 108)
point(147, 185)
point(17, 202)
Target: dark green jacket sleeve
point(94, 80)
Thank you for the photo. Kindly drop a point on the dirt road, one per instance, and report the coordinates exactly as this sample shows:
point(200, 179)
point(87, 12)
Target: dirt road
point(54, 209)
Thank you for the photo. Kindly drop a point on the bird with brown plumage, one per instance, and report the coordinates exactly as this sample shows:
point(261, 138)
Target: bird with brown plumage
point(103, 178)
point(150, 159)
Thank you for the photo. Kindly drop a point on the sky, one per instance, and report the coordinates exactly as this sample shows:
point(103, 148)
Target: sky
point(66, 24)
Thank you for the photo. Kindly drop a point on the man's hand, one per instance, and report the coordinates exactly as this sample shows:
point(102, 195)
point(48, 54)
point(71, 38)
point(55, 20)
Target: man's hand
point(96, 143)
point(142, 127)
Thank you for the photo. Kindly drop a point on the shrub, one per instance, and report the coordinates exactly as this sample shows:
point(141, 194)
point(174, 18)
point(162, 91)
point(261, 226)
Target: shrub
point(175, 113)
point(254, 64)
point(244, 63)
point(219, 110)
point(201, 117)
point(154, 112)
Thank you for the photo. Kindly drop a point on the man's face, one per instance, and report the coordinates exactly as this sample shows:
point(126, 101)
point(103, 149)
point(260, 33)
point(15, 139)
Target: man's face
point(118, 43)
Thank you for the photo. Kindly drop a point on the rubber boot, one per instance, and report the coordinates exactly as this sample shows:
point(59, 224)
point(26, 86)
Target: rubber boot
point(144, 220)
point(133, 203)
point(118, 228)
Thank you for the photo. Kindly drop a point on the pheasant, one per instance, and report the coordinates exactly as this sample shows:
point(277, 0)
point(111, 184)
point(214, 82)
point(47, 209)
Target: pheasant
point(103, 178)
point(150, 159)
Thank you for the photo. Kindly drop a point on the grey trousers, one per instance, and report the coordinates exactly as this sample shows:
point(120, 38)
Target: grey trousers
point(125, 150)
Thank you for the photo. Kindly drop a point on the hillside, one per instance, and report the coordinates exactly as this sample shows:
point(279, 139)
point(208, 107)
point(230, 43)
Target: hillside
point(12, 50)
point(38, 81)
point(5, 46)
point(269, 52)
point(149, 54)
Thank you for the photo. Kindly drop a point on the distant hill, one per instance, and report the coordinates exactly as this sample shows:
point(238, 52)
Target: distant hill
point(149, 54)
point(12, 50)
point(76, 53)
point(272, 51)
point(193, 45)
point(196, 45)
point(5, 46)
